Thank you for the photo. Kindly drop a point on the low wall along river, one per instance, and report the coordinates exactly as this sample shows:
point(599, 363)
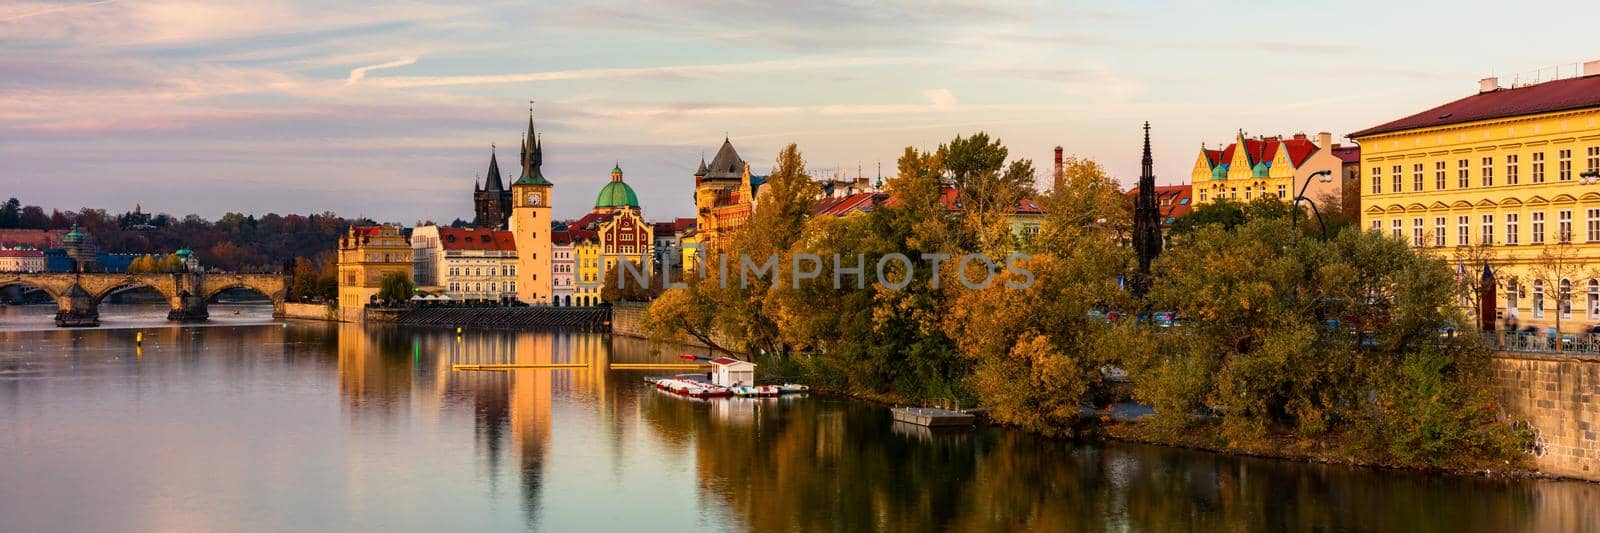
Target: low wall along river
point(1560, 397)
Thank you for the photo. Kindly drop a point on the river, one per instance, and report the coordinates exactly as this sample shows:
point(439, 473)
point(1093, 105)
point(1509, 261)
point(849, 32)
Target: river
point(247, 424)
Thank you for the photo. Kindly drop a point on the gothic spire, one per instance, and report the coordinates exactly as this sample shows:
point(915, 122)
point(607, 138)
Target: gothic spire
point(491, 182)
point(531, 172)
point(1146, 221)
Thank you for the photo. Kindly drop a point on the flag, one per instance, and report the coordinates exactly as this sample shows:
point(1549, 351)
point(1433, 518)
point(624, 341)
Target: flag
point(1461, 271)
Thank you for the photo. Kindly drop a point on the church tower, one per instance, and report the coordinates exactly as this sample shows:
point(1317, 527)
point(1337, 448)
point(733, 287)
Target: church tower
point(530, 223)
point(492, 201)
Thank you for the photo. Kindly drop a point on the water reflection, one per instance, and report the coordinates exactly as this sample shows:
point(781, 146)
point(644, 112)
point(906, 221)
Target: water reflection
point(339, 427)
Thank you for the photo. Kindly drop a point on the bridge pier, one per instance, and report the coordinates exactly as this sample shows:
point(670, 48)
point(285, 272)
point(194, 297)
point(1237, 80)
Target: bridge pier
point(77, 309)
point(188, 307)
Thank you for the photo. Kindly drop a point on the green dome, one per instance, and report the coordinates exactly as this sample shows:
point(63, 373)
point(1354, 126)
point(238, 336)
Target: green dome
point(74, 236)
point(184, 252)
point(615, 195)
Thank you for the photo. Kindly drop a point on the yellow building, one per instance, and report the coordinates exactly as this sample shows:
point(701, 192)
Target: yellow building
point(531, 225)
point(724, 195)
point(1250, 168)
point(1516, 170)
point(586, 252)
point(366, 255)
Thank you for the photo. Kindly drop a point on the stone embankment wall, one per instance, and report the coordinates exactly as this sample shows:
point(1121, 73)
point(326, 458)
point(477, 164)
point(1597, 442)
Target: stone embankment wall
point(310, 311)
point(521, 318)
point(628, 319)
point(1560, 397)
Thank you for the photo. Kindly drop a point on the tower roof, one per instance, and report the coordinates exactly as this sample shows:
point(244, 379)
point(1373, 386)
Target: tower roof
point(726, 164)
point(702, 170)
point(492, 181)
point(531, 163)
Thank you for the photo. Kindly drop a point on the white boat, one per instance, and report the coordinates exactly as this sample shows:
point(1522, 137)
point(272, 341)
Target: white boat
point(789, 388)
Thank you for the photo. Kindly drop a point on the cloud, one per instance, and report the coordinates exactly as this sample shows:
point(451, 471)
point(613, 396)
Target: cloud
point(672, 71)
point(19, 15)
point(942, 99)
point(356, 74)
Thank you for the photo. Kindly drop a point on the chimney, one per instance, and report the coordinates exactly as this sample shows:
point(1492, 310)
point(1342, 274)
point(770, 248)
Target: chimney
point(1488, 84)
point(1325, 141)
point(1591, 68)
point(1060, 171)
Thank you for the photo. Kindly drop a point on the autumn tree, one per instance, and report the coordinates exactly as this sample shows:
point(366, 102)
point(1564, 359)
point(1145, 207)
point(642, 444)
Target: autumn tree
point(395, 287)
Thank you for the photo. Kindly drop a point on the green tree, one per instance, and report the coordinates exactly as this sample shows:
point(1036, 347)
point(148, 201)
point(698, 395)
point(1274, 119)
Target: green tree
point(395, 287)
point(11, 214)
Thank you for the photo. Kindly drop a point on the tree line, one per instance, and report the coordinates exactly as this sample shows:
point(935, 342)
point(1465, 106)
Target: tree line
point(1343, 340)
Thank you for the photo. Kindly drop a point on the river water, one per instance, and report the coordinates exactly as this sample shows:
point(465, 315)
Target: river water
point(246, 424)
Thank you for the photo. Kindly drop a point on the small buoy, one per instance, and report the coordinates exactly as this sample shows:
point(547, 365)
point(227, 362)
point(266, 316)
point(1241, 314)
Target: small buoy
point(138, 338)
point(458, 330)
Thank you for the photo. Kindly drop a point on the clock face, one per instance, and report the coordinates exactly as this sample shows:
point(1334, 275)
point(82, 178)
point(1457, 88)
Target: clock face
point(533, 198)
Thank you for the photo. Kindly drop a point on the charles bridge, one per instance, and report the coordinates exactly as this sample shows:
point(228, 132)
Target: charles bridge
point(78, 295)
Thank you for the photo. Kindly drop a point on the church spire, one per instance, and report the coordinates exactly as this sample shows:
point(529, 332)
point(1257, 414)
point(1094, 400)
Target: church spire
point(491, 182)
point(533, 157)
point(1146, 221)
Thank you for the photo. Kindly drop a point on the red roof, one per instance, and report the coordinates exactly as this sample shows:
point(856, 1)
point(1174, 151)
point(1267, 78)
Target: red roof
point(842, 205)
point(1559, 95)
point(1214, 158)
point(725, 361)
point(591, 221)
point(21, 253)
point(1348, 154)
point(1300, 148)
point(1173, 200)
point(476, 239)
point(682, 224)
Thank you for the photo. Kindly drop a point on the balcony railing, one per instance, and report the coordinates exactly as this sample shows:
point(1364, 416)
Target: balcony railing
point(1541, 342)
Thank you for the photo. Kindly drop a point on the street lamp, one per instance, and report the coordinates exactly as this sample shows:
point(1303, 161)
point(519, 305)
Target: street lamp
point(1325, 176)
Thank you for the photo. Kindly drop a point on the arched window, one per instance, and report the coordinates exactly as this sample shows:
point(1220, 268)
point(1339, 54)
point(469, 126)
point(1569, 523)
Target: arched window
point(1594, 299)
point(1564, 301)
point(1538, 298)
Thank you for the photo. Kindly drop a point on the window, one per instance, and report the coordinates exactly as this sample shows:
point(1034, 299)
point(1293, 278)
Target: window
point(1564, 299)
point(1247, 193)
point(1438, 175)
point(1488, 229)
point(1564, 165)
point(1594, 158)
point(1416, 177)
point(1511, 228)
point(1463, 234)
point(1594, 224)
point(1538, 167)
point(1377, 180)
point(1185, 201)
point(1594, 299)
point(1538, 228)
point(1202, 195)
point(1283, 192)
point(1377, 225)
point(1511, 169)
point(1538, 298)
point(1438, 231)
point(1564, 225)
point(1399, 232)
point(1395, 178)
point(1488, 172)
point(1513, 291)
point(1416, 232)
point(1461, 174)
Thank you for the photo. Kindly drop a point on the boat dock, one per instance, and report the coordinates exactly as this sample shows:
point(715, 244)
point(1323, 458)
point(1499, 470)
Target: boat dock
point(932, 417)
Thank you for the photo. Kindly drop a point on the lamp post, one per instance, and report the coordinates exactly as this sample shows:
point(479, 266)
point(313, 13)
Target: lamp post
point(1325, 176)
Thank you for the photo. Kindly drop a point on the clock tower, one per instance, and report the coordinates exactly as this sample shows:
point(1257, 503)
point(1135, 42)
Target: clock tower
point(530, 223)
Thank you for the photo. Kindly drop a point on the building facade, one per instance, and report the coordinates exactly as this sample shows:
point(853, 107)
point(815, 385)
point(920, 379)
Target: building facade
point(724, 195)
point(22, 260)
point(366, 255)
point(563, 274)
point(1280, 167)
point(1508, 177)
point(467, 264)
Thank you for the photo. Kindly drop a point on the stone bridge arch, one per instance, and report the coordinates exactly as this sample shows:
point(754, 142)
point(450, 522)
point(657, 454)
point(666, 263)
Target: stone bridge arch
point(78, 295)
point(99, 286)
point(44, 282)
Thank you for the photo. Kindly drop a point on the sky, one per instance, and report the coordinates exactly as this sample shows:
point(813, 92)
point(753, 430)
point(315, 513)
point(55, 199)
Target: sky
point(389, 111)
